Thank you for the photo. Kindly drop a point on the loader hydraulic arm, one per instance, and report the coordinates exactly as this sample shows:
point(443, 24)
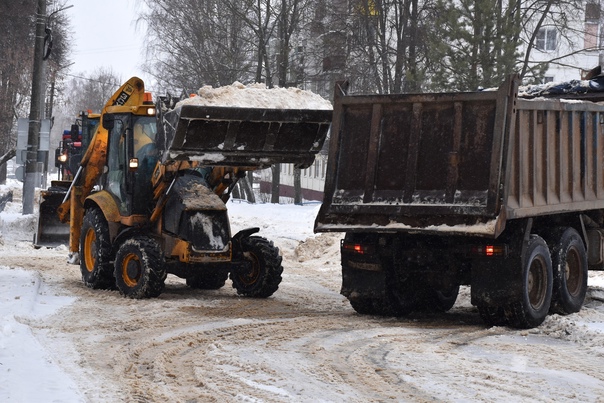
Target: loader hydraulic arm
point(132, 93)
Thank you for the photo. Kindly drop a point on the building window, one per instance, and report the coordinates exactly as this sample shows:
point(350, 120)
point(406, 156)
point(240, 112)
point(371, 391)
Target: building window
point(546, 39)
point(548, 79)
point(591, 36)
point(592, 11)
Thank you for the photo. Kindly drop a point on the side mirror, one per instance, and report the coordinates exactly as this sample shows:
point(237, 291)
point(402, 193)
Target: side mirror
point(75, 133)
point(58, 155)
point(108, 122)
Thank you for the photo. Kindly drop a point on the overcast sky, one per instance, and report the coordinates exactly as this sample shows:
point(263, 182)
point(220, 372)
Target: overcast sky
point(105, 35)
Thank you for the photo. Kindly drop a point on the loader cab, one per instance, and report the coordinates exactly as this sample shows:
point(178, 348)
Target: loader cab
point(132, 156)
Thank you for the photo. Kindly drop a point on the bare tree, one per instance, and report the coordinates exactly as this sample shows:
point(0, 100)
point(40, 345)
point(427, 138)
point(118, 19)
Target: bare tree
point(194, 42)
point(16, 48)
point(82, 93)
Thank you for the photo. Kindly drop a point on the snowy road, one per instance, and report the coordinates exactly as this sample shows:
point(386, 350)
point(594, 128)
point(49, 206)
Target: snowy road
point(304, 344)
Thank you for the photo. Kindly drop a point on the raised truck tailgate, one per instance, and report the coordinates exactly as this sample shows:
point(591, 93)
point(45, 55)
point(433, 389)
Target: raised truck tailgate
point(416, 162)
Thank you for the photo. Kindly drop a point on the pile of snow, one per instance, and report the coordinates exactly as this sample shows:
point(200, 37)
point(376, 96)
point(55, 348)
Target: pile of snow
point(12, 220)
point(559, 88)
point(256, 96)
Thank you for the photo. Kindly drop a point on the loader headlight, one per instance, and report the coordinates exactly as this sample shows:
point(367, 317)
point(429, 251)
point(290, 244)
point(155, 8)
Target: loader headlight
point(151, 111)
point(62, 158)
point(133, 164)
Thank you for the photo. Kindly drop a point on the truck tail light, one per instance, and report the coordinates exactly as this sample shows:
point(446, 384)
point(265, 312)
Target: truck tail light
point(488, 251)
point(358, 248)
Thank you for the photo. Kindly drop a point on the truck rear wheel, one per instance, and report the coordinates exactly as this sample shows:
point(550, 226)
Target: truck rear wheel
point(440, 299)
point(363, 305)
point(140, 268)
point(534, 301)
point(261, 276)
point(95, 251)
point(207, 280)
point(492, 315)
point(569, 264)
point(386, 305)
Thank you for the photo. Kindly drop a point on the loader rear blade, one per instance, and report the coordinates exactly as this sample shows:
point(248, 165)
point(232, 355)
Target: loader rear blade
point(51, 232)
point(250, 137)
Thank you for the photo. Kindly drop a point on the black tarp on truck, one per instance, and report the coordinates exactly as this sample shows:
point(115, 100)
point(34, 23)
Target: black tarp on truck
point(486, 189)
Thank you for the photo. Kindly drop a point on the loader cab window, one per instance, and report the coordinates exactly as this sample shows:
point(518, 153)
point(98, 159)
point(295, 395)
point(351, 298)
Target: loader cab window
point(116, 160)
point(144, 131)
point(132, 137)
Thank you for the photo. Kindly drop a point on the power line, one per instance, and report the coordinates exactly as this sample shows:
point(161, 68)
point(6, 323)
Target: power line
point(91, 79)
point(107, 50)
point(105, 82)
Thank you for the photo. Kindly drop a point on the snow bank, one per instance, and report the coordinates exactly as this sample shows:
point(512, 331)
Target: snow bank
point(256, 96)
point(23, 359)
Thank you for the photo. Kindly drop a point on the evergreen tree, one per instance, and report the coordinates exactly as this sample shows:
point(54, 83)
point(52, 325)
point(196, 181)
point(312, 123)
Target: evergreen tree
point(478, 42)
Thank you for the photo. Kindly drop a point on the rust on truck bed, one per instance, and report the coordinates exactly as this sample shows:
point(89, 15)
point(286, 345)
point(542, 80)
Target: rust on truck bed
point(459, 162)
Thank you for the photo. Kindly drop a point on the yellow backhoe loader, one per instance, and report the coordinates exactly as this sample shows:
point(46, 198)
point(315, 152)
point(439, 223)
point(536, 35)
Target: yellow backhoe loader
point(149, 196)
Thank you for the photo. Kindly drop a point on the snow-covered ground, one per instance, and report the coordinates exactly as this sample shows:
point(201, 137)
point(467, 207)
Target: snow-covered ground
point(62, 342)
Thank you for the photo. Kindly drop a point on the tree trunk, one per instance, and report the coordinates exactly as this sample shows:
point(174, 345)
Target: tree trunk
point(297, 186)
point(276, 184)
point(247, 190)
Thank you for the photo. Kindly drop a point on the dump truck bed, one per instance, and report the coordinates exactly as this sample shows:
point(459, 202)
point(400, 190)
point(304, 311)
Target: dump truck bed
point(460, 162)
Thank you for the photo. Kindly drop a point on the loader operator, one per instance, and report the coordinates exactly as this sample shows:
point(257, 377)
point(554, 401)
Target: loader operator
point(141, 140)
point(145, 151)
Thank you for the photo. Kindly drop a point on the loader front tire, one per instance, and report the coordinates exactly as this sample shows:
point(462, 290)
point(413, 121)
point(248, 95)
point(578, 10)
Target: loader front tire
point(95, 251)
point(261, 276)
point(140, 268)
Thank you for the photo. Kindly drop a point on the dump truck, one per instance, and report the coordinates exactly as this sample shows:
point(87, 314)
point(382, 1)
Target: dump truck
point(149, 198)
point(487, 189)
point(73, 144)
point(50, 231)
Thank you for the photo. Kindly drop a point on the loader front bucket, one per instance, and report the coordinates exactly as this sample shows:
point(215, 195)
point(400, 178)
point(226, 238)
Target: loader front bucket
point(51, 232)
point(246, 137)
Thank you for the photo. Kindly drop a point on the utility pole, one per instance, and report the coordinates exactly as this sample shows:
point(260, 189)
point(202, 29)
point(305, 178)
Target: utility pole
point(32, 173)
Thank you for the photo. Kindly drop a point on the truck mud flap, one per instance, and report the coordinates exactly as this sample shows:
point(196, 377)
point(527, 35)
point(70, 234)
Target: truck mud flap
point(50, 231)
point(246, 137)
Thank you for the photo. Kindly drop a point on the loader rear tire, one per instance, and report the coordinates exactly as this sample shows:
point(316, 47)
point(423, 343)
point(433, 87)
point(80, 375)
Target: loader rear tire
point(95, 251)
point(262, 276)
point(140, 268)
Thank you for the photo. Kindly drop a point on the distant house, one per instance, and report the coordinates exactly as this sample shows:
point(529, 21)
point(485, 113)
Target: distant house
point(572, 53)
point(312, 180)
